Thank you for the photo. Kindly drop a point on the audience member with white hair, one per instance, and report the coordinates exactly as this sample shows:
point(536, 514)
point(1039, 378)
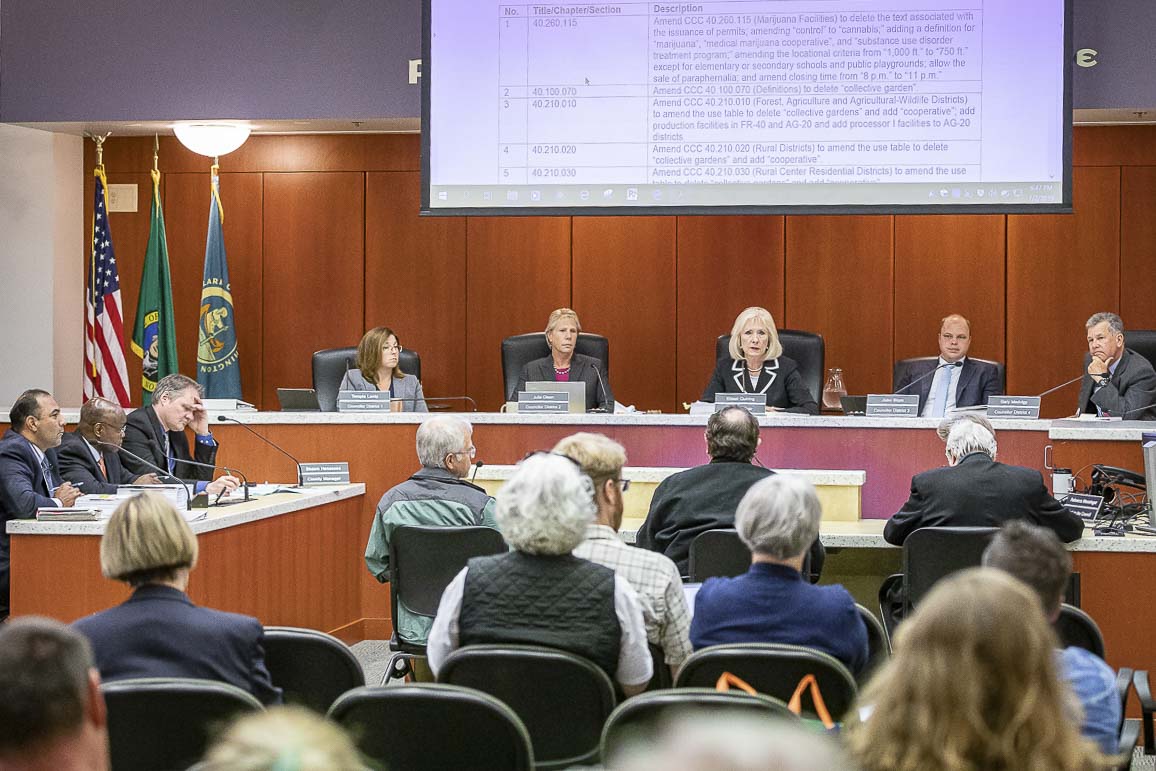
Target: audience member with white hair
point(540, 593)
point(772, 602)
point(701, 741)
point(438, 495)
point(975, 490)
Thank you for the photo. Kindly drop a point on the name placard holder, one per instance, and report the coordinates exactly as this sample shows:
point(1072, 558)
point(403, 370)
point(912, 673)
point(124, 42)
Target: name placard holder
point(893, 405)
point(363, 401)
point(756, 404)
point(538, 402)
point(317, 474)
point(1087, 507)
point(1026, 407)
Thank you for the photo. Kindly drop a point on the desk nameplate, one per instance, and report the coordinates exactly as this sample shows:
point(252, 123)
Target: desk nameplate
point(893, 405)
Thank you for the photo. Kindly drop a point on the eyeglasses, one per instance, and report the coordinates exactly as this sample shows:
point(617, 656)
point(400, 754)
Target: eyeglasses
point(119, 429)
point(391, 348)
point(623, 484)
point(472, 452)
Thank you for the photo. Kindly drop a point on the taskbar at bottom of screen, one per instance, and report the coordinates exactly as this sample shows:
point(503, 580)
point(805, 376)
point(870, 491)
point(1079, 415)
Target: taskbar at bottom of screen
point(1010, 194)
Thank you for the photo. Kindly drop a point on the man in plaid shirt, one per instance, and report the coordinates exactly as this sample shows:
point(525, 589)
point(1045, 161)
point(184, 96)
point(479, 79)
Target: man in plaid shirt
point(653, 575)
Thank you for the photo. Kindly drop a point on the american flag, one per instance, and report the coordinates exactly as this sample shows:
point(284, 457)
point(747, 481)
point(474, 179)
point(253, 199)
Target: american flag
point(105, 373)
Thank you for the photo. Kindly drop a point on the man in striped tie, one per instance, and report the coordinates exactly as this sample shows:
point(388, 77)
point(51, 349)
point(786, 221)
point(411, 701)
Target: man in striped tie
point(28, 476)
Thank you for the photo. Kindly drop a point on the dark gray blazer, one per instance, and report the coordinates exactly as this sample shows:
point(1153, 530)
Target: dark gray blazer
point(978, 380)
point(581, 370)
point(1129, 394)
point(407, 388)
point(79, 467)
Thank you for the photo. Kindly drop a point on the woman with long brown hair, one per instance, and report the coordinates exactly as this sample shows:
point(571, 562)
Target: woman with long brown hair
point(972, 686)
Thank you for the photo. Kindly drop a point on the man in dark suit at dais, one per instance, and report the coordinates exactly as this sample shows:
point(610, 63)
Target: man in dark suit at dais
point(87, 456)
point(959, 381)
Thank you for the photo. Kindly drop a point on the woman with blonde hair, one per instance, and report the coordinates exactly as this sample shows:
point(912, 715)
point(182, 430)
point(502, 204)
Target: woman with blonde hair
point(158, 631)
point(378, 354)
point(564, 365)
point(280, 739)
point(756, 365)
point(972, 686)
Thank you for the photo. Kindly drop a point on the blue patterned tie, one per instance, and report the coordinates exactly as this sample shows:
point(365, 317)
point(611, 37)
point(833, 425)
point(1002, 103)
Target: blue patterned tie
point(46, 469)
point(941, 392)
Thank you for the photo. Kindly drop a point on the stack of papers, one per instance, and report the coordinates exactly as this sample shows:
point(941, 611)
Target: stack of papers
point(62, 514)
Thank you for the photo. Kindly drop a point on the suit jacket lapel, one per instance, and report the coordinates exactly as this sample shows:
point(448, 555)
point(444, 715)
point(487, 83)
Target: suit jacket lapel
point(161, 437)
point(966, 373)
point(767, 376)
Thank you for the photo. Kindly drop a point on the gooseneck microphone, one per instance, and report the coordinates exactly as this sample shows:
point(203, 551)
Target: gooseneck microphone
point(605, 394)
point(923, 377)
point(161, 473)
point(1062, 385)
point(477, 465)
point(271, 443)
point(413, 400)
point(226, 469)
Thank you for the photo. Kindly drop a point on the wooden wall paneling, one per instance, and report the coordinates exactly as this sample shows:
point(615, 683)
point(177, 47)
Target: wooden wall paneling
point(624, 288)
point(303, 152)
point(949, 264)
point(725, 264)
point(1138, 247)
point(839, 284)
point(186, 218)
point(1114, 145)
point(314, 268)
point(1060, 270)
point(415, 278)
point(518, 271)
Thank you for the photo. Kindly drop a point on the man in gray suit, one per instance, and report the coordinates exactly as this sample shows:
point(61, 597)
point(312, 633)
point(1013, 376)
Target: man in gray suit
point(1118, 382)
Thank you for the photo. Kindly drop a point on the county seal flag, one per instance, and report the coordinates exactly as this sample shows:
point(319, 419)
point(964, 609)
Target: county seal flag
point(218, 368)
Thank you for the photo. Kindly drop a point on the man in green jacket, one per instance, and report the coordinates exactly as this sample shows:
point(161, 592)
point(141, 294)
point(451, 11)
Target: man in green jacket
point(436, 496)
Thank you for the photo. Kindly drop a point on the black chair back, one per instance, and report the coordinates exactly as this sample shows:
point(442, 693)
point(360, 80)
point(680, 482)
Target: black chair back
point(431, 727)
point(1143, 342)
point(1076, 628)
point(772, 669)
point(717, 553)
point(423, 560)
point(641, 717)
point(722, 553)
point(520, 350)
point(563, 699)
point(930, 553)
point(805, 348)
point(163, 724)
point(902, 365)
point(878, 649)
point(331, 364)
point(311, 668)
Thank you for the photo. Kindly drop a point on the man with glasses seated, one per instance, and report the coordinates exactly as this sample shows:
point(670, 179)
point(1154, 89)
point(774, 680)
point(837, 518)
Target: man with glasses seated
point(654, 576)
point(436, 496)
point(85, 456)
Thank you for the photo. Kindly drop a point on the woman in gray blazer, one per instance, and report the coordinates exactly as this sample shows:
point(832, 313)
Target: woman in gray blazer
point(378, 370)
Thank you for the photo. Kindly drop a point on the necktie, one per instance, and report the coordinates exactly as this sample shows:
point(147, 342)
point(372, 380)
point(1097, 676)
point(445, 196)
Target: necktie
point(103, 469)
point(46, 469)
point(169, 454)
point(941, 392)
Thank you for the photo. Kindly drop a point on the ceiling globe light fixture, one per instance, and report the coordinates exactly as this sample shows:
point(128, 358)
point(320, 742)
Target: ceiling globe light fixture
point(212, 139)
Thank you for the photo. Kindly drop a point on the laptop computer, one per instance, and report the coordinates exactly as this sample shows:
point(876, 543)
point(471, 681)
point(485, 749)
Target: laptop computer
point(576, 392)
point(298, 400)
point(853, 405)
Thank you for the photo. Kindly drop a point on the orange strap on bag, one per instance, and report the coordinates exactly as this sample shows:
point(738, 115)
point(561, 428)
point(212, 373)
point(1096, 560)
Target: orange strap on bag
point(726, 681)
point(796, 702)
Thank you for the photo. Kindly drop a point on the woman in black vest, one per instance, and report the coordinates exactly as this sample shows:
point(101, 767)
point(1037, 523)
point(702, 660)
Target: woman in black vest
point(539, 593)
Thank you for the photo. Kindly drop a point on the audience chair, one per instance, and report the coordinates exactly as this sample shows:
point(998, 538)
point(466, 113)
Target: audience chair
point(331, 364)
point(1129, 727)
point(168, 723)
point(520, 350)
point(662, 677)
point(311, 668)
point(1075, 627)
point(805, 348)
point(878, 647)
point(422, 562)
point(772, 669)
point(642, 717)
point(1143, 342)
point(563, 699)
point(1147, 708)
point(722, 553)
point(903, 365)
point(430, 727)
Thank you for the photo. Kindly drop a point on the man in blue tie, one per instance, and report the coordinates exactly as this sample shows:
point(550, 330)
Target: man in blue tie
point(958, 381)
point(28, 476)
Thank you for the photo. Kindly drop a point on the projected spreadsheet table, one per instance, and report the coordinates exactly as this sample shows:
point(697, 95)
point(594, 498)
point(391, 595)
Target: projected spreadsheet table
point(656, 103)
